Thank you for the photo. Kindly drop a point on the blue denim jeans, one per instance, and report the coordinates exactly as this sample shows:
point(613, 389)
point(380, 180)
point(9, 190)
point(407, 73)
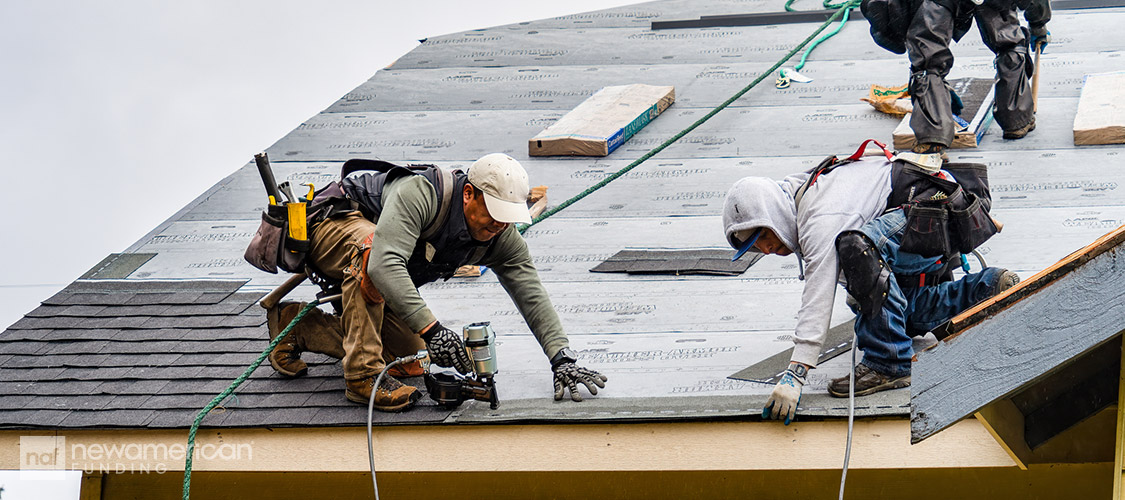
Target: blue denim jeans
point(883, 338)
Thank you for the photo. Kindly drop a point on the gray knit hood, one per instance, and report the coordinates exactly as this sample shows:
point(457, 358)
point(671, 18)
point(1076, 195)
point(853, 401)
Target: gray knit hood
point(755, 202)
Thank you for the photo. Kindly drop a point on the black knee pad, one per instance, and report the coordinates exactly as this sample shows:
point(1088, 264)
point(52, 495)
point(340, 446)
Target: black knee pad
point(868, 277)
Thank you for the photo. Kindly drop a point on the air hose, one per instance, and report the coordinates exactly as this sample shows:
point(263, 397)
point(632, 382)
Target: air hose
point(371, 411)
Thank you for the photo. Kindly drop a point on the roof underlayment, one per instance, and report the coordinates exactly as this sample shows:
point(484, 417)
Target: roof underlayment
point(138, 357)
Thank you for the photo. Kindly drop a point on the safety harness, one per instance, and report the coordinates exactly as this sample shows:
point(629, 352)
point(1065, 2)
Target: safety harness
point(953, 213)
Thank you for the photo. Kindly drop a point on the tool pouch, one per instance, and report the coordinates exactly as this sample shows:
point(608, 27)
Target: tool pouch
point(265, 248)
point(971, 226)
point(927, 229)
point(271, 248)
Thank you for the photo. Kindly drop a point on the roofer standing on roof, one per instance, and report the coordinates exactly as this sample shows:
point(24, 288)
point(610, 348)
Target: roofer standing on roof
point(421, 225)
point(924, 30)
point(841, 225)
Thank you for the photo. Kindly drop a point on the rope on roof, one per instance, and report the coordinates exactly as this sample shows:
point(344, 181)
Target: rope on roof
point(846, 7)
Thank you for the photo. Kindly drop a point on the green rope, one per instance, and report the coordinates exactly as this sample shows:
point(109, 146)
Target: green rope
point(230, 390)
point(847, 7)
point(612, 177)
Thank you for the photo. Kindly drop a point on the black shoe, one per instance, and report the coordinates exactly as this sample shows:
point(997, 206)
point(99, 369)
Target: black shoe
point(867, 381)
point(1019, 133)
point(928, 148)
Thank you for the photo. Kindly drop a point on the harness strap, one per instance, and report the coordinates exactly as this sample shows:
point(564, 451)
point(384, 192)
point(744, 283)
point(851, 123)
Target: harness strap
point(446, 193)
point(863, 147)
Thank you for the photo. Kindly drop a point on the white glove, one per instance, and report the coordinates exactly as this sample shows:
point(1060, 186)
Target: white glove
point(786, 395)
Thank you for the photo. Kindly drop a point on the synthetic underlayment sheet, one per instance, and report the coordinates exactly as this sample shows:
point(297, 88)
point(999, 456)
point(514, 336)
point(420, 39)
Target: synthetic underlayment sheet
point(697, 85)
point(668, 343)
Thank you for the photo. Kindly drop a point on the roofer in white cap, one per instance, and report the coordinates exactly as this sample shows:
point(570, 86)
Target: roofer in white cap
point(396, 229)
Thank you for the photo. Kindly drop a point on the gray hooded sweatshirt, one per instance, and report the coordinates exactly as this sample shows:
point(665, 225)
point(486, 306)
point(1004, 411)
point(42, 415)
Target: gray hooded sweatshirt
point(845, 198)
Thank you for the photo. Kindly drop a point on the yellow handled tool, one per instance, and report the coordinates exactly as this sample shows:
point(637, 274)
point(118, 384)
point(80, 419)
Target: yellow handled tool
point(297, 229)
point(309, 196)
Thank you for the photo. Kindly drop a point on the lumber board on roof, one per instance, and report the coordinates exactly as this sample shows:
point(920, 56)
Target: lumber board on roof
point(977, 94)
point(1101, 110)
point(1081, 309)
point(603, 122)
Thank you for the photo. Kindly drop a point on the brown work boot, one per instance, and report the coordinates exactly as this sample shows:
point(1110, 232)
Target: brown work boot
point(1019, 133)
point(928, 148)
point(867, 381)
point(404, 370)
point(317, 332)
point(1007, 280)
point(391, 396)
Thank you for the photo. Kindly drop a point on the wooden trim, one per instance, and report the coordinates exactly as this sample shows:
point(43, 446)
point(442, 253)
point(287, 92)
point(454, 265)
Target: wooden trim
point(91, 488)
point(1005, 422)
point(1119, 462)
point(1079, 481)
point(981, 311)
point(752, 445)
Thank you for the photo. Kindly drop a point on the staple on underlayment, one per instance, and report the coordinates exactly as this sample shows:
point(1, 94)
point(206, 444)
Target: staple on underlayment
point(603, 122)
point(1101, 110)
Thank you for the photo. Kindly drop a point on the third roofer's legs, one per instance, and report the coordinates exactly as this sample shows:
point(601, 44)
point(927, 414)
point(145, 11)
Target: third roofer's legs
point(927, 45)
point(1000, 29)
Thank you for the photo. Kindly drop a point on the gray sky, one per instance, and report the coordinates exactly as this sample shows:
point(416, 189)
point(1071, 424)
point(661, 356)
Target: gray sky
point(116, 114)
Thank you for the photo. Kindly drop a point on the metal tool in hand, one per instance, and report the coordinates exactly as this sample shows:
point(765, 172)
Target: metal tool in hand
point(451, 390)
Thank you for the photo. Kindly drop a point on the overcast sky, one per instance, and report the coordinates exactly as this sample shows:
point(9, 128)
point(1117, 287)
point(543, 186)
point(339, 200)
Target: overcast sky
point(115, 114)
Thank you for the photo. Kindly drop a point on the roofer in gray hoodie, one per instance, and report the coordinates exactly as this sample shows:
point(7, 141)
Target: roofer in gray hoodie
point(841, 224)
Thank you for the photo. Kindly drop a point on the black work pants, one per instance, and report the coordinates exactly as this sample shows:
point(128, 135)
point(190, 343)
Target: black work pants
point(927, 45)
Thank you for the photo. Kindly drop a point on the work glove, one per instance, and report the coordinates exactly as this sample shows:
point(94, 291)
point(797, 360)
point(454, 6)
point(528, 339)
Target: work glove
point(1040, 36)
point(568, 375)
point(786, 395)
point(447, 349)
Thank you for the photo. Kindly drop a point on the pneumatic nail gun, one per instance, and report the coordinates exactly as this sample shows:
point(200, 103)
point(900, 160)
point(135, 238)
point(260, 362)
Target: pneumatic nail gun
point(450, 390)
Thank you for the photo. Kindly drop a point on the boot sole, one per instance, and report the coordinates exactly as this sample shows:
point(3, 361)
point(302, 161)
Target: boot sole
point(356, 398)
point(1016, 135)
point(897, 383)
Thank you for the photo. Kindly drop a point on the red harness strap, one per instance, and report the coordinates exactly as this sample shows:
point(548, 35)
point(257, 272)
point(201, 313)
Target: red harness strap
point(863, 147)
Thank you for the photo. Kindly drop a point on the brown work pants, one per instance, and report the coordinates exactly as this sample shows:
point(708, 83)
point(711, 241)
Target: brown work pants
point(373, 334)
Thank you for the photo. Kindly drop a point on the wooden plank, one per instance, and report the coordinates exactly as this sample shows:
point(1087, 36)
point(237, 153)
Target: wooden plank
point(603, 122)
point(91, 488)
point(977, 94)
point(1006, 424)
point(1119, 462)
point(903, 137)
point(1026, 288)
point(1101, 110)
point(1020, 345)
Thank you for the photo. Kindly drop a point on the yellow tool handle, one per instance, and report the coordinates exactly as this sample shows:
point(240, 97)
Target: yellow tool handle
point(297, 229)
point(273, 201)
point(309, 196)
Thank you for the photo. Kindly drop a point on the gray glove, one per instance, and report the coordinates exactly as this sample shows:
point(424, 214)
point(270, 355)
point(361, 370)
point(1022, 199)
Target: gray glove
point(447, 349)
point(568, 375)
point(786, 395)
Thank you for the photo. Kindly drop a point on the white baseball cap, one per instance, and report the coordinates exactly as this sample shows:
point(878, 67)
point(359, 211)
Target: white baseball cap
point(504, 183)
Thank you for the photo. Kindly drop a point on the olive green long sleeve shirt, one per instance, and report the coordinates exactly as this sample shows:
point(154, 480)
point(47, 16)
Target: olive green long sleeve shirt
point(409, 205)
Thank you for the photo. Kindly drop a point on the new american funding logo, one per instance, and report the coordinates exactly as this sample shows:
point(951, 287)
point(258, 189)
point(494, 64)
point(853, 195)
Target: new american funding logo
point(54, 453)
